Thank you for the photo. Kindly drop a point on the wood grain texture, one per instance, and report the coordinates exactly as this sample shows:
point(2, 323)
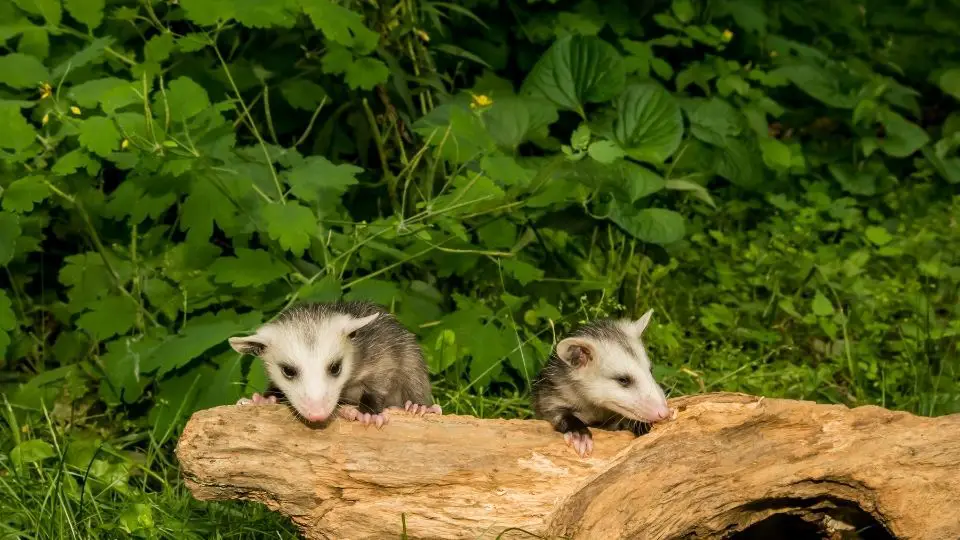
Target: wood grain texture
point(728, 463)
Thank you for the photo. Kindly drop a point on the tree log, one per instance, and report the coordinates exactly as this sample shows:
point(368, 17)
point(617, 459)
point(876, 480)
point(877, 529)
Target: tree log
point(727, 466)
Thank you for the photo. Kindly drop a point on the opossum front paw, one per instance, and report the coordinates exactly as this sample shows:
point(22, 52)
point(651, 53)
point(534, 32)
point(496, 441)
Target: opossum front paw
point(257, 399)
point(581, 441)
point(348, 412)
point(421, 410)
point(368, 419)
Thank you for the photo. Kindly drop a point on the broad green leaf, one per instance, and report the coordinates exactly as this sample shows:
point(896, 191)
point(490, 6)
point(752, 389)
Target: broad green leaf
point(16, 133)
point(629, 181)
point(200, 334)
point(460, 133)
point(776, 154)
point(577, 70)
point(99, 135)
point(108, 317)
point(713, 120)
point(878, 235)
point(302, 94)
point(317, 178)
point(32, 451)
point(740, 162)
point(249, 268)
point(93, 52)
point(136, 518)
point(205, 206)
point(8, 321)
point(513, 120)
point(35, 41)
point(902, 137)
point(208, 12)
point(383, 292)
point(366, 73)
point(88, 12)
point(226, 386)
point(325, 289)
point(341, 25)
point(698, 191)
point(73, 161)
point(506, 171)
point(821, 305)
point(88, 94)
point(605, 152)
point(186, 99)
point(950, 82)
point(683, 10)
point(852, 181)
point(291, 224)
point(818, 83)
point(159, 47)
point(653, 225)
point(9, 232)
point(22, 194)
point(258, 14)
point(648, 125)
point(49, 9)
point(948, 167)
point(524, 272)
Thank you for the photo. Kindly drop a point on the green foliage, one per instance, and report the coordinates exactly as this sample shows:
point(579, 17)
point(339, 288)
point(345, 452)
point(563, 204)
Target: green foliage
point(777, 179)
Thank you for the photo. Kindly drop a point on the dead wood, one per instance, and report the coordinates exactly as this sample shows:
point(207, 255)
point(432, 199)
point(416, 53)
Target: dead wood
point(729, 466)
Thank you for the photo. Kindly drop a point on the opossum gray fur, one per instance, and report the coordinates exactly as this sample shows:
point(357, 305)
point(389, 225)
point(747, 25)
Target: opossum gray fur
point(599, 376)
point(354, 359)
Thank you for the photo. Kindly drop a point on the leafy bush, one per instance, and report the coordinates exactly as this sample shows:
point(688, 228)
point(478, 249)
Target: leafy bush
point(777, 179)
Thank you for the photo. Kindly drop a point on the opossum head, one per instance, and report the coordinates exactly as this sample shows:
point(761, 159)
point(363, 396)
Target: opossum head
point(309, 358)
point(610, 368)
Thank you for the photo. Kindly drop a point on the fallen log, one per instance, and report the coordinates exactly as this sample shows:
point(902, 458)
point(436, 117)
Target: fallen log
point(728, 466)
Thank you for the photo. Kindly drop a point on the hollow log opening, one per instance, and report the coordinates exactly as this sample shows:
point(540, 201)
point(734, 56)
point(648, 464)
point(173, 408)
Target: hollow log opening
point(823, 519)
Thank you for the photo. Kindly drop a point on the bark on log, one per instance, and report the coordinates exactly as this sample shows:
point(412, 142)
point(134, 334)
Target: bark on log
point(728, 466)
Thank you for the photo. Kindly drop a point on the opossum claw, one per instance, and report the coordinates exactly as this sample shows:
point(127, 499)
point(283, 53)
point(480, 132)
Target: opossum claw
point(348, 412)
point(421, 410)
point(257, 399)
point(582, 443)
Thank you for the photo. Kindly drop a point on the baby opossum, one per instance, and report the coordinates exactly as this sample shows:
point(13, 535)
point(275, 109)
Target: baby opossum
point(599, 376)
point(350, 358)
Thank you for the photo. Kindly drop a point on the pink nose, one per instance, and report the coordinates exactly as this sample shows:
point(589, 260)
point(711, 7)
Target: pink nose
point(315, 412)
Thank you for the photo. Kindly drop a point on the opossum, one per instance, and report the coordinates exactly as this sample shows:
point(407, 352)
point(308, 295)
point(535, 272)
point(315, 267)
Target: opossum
point(600, 376)
point(353, 359)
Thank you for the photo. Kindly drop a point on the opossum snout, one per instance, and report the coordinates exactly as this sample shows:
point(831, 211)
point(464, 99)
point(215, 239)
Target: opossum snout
point(315, 410)
point(653, 410)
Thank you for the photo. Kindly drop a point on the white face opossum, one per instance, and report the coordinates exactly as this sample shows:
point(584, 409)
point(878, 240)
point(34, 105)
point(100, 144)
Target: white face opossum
point(600, 376)
point(350, 358)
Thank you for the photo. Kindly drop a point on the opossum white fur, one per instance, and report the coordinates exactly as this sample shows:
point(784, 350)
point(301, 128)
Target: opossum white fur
point(600, 376)
point(350, 358)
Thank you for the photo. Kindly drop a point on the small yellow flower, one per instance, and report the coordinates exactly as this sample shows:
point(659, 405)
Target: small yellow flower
point(125, 144)
point(45, 90)
point(75, 110)
point(422, 35)
point(727, 35)
point(46, 118)
point(773, 54)
point(482, 100)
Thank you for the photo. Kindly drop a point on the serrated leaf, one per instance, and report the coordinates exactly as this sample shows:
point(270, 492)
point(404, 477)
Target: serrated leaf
point(16, 133)
point(366, 73)
point(506, 170)
point(94, 51)
point(186, 99)
point(577, 70)
point(88, 12)
point(89, 93)
point(524, 272)
point(74, 160)
point(205, 206)
point(258, 14)
point(99, 135)
point(108, 317)
point(249, 268)
point(291, 224)
point(821, 305)
point(9, 232)
point(207, 12)
point(159, 47)
point(22, 194)
point(648, 125)
point(460, 134)
point(49, 9)
point(653, 225)
point(200, 334)
point(341, 25)
point(513, 120)
point(317, 178)
point(605, 152)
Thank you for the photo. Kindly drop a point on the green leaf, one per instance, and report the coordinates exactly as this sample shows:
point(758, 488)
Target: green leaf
point(302, 94)
point(88, 94)
point(653, 225)
point(852, 181)
point(524, 272)
point(9, 232)
point(108, 317)
point(88, 12)
point(683, 10)
point(8, 321)
point(186, 99)
point(818, 83)
point(903, 137)
point(740, 163)
point(16, 134)
point(776, 154)
point(605, 152)
point(317, 178)
point(949, 168)
point(208, 12)
point(48, 9)
point(505, 170)
point(258, 14)
point(87, 55)
point(341, 25)
point(698, 191)
point(821, 306)
point(577, 70)
point(648, 123)
point(878, 235)
point(713, 121)
point(32, 451)
point(366, 73)
point(950, 82)
point(513, 120)
point(205, 206)
point(200, 334)
point(250, 268)
point(291, 224)
point(22, 194)
point(99, 135)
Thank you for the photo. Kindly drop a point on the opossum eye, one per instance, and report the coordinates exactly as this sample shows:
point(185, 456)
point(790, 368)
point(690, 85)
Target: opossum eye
point(335, 368)
point(288, 371)
point(625, 380)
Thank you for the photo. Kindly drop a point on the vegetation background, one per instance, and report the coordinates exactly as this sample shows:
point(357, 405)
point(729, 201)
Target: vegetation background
point(777, 179)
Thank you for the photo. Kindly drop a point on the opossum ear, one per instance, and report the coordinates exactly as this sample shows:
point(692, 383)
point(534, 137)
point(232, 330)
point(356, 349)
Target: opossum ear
point(638, 326)
point(354, 324)
point(576, 352)
point(253, 345)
